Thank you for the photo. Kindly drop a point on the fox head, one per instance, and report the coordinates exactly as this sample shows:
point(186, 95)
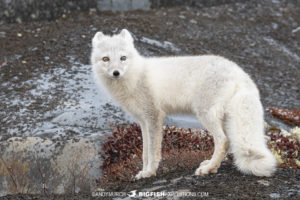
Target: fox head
point(112, 55)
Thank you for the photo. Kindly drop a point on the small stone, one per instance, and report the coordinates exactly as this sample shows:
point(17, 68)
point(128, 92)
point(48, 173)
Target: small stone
point(274, 26)
point(83, 36)
point(4, 64)
point(296, 30)
point(2, 34)
point(6, 13)
point(189, 178)
point(18, 20)
point(264, 182)
point(182, 17)
point(175, 180)
point(19, 34)
point(193, 21)
point(275, 195)
point(159, 182)
point(92, 11)
point(24, 61)
point(33, 16)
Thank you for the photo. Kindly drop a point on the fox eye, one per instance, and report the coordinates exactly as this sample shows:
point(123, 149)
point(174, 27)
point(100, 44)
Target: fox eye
point(105, 59)
point(123, 58)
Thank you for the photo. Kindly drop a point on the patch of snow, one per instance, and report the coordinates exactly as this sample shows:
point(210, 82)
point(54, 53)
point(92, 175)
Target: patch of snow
point(296, 30)
point(282, 48)
point(263, 182)
point(164, 45)
point(274, 195)
point(86, 105)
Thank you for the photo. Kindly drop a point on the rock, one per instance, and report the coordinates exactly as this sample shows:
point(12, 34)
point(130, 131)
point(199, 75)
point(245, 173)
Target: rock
point(263, 182)
point(2, 34)
point(275, 195)
point(34, 165)
point(159, 182)
point(175, 180)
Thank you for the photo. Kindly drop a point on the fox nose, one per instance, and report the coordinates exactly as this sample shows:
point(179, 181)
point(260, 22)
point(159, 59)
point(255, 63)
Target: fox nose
point(116, 73)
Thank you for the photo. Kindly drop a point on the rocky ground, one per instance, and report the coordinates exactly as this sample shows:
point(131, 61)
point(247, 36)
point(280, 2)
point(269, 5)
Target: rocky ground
point(227, 184)
point(47, 91)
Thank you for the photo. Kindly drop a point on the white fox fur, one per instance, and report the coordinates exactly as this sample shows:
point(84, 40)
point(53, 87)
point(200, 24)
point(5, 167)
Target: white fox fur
point(222, 96)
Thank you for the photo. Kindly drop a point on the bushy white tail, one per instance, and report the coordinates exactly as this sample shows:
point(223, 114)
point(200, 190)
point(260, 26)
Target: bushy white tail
point(258, 163)
point(245, 129)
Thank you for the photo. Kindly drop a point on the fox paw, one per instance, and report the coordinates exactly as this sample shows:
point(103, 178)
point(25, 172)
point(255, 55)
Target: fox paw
point(204, 163)
point(144, 174)
point(206, 168)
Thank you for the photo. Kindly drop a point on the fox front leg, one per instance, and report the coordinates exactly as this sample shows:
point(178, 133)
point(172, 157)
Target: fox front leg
point(145, 136)
point(154, 139)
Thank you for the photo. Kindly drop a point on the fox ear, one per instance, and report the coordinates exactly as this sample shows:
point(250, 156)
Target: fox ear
point(98, 36)
point(126, 35)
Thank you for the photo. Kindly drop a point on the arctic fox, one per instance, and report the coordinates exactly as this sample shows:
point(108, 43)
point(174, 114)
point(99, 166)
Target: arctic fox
point(217, 91)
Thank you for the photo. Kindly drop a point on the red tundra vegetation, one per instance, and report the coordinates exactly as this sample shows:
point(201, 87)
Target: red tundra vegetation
point(291, 117)
point(181, 149)
point(185, 149)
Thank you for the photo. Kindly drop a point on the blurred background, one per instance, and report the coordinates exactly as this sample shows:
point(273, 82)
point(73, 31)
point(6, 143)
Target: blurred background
point(34, 10)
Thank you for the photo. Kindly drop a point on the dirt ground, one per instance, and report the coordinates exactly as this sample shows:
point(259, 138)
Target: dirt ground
point(263, 38)
point(227, 184)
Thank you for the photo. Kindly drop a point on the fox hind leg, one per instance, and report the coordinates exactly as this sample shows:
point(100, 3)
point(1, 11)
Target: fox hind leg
point(212, 121)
